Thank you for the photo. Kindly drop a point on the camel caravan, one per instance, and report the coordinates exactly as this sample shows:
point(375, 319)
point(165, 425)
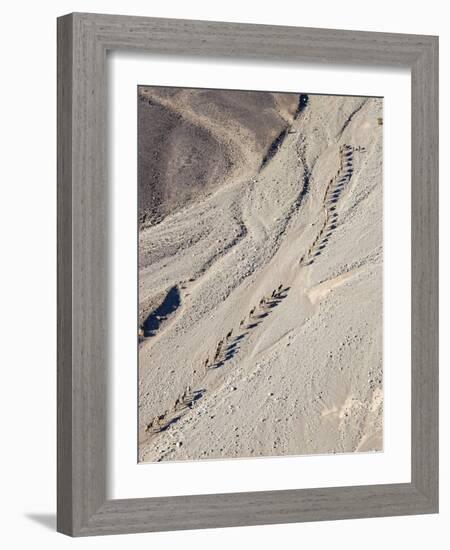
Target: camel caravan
point(332, 194)
point(228, 346)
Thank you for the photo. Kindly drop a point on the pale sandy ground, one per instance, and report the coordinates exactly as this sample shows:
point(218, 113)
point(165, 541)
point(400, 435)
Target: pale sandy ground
point(303, 373)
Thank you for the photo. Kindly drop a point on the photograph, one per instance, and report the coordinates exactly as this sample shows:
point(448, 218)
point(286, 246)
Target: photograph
point(226, 216)
point(260, 274)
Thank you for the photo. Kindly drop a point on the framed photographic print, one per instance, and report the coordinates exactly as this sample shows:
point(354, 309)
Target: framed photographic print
point(247, 274)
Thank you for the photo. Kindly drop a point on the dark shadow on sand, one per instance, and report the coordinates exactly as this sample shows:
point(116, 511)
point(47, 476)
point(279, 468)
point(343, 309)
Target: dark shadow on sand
point(170, 304)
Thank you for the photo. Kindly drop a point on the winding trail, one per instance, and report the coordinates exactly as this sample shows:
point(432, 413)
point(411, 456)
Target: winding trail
point(282, 222)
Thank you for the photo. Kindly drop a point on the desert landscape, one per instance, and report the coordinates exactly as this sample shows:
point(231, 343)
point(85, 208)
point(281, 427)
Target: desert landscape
point(260, 274)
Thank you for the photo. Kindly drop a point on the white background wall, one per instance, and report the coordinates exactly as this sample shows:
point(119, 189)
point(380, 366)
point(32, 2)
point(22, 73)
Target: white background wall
point(28, 275)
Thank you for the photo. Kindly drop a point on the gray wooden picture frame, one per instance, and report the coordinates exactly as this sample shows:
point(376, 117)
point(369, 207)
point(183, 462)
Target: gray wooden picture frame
point(83, 41)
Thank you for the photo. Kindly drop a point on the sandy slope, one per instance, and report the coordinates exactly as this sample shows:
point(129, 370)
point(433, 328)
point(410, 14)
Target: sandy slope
point(270, 341)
